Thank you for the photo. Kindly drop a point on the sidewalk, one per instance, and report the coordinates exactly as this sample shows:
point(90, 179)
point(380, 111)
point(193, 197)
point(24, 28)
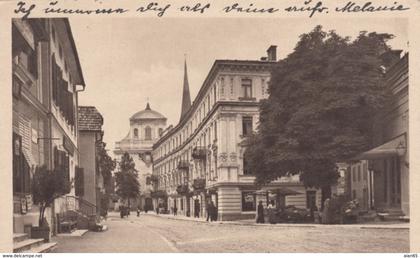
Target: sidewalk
point(377, 225)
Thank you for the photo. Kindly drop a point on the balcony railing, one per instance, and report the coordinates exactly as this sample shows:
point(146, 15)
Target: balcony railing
point(182, 189)
point(199, 184)
point(159, 194)
point(199, 153)
point(183, 164)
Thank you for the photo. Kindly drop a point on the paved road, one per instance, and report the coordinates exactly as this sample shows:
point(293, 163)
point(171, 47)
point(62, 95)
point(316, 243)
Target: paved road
point(155, 234)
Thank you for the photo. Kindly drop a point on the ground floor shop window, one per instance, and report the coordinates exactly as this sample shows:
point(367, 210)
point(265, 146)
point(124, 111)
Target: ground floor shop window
point(248, 201)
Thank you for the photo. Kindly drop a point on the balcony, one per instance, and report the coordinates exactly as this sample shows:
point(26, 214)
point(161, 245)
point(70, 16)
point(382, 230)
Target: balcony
point(152, 179)
point(182, 189)
point(184, 165)
point(199, 153)
point(199, 184)
point(158, 194)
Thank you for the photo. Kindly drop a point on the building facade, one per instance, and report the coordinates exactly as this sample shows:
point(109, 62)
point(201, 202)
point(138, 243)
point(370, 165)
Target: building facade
point(146, 126)
point(201, 159)
point(385, 169)
point(89, 181)
point(46, 80)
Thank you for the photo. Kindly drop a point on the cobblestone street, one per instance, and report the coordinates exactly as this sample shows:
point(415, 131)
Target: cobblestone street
point(149, 233)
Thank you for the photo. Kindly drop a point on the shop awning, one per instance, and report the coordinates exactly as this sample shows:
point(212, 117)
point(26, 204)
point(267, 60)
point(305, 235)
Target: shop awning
point(394, 147)
point(278, 190)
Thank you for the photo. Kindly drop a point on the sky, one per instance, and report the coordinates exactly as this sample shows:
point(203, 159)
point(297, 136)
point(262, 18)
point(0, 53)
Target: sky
point(127, 61)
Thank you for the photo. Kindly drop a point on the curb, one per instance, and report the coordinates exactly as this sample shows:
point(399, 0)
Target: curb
point(363, 226)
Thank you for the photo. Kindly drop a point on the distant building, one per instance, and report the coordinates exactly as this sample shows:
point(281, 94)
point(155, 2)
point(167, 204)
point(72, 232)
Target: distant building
point(382, 177)
point(145, 128)
point(89, 181)
point(201, 158)
point(46, 80)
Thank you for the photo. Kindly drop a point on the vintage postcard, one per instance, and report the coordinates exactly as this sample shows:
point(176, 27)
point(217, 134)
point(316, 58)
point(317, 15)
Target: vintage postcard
point(209, 126)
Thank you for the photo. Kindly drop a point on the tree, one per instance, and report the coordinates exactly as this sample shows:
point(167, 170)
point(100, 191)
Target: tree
point(106, 166)
point(319, 111)
point(127, 179)
point(47, 185)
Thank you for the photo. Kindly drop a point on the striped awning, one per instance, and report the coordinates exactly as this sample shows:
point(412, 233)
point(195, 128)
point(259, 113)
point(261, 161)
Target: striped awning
point(29, 158)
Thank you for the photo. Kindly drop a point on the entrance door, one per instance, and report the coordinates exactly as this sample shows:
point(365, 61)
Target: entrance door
point(395, 180)
point(365, 199)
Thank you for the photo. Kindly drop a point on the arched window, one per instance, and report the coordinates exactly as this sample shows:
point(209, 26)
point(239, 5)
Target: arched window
point(148, 133)
point(136, 133)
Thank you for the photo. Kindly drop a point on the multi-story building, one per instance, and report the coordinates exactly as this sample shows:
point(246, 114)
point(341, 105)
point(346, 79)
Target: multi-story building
point(385, 168)
point(89, 181)
point(145, 128)
point(201, 158)
point(46, 80)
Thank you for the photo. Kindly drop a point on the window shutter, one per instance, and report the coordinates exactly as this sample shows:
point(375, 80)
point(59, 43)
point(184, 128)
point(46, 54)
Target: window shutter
point(79, 181)
point(56, 158)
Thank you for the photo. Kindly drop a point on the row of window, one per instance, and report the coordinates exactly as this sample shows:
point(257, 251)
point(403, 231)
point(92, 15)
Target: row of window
point(147, 133)
point(62, 97)
point(171, 164)
point(205, 108)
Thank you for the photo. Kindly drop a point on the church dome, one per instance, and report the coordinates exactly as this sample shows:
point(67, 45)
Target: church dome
point(148, 113)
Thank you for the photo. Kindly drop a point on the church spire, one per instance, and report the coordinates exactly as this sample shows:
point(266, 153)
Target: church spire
point(186, 99)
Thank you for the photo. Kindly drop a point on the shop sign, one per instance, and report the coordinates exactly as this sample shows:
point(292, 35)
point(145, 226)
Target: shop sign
point(29, 202)
point(17, 146)
point(24, 208)
point(34, 135)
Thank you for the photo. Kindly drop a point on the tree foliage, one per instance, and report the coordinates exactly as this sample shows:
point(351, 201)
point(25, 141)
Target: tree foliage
point(126, 178)
point(106, 165)
point(47, 185)
point(322, 99)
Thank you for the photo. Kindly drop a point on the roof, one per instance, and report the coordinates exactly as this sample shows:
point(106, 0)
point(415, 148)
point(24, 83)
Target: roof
point(76, 55)
point(147, 114)
point(89, 119)
point(186, 98)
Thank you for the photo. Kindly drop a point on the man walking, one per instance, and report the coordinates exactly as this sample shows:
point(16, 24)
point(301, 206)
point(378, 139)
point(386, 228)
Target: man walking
point(209, 211)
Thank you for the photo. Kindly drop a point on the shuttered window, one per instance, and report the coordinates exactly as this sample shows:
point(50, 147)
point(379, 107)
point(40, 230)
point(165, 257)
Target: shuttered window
point(79, 181)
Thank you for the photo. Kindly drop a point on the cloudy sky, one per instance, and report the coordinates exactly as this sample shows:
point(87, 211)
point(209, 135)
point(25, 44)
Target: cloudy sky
point(126, 61)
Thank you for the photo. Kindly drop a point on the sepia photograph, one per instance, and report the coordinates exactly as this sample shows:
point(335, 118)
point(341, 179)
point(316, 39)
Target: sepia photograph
point(210, 135)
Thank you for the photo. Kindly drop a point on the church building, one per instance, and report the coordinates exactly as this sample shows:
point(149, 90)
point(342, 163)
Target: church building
point(146, 126)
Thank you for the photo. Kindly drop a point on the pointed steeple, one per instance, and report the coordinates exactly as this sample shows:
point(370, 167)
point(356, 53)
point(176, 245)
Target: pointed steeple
point(186, 99)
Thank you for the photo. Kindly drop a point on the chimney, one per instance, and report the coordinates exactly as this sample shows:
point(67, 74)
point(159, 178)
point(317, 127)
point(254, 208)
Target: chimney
point(272, 53)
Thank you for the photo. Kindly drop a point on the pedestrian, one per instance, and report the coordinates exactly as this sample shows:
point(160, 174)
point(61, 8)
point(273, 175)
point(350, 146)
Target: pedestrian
point(326, 218)
point(213, 212)
point(175, 210)
point(196, 209)
point(271, 214)
point(208, 208)
point(260, 213)
point(138, 211)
